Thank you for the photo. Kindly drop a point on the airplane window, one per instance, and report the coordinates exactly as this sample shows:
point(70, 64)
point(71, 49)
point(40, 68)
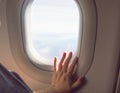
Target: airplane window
point(53, 29)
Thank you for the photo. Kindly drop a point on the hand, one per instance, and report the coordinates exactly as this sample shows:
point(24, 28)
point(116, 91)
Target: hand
point(64, 80)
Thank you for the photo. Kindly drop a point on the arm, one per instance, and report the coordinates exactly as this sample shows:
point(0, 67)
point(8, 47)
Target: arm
point(64, 79)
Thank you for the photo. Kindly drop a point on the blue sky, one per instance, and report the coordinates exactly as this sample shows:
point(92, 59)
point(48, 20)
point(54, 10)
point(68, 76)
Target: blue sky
point(55, 26)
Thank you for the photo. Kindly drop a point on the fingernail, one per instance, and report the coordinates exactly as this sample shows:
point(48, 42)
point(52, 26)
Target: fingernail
point(55, 59)
point(64, 53)
point(70, 53)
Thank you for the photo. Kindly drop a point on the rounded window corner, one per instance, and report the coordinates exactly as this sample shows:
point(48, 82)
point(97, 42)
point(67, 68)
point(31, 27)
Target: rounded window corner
point(89, 35)
point(16, 41)
point(85, 48)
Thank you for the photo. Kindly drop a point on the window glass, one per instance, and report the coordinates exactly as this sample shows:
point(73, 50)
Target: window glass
point(53, 29)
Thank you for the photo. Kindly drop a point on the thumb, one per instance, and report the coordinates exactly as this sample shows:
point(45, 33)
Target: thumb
point(77, 83)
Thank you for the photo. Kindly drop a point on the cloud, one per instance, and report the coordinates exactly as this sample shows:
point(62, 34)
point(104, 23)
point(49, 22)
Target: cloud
point(45, 52)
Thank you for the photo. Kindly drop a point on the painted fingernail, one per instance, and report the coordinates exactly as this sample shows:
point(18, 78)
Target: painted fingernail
point(64, 53)
point(70, 54)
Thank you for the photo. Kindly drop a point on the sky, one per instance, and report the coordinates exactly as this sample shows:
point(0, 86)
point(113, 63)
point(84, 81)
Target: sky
point(54, 27)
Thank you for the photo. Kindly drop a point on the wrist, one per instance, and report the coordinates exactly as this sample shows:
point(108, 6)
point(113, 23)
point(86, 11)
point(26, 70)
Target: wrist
point(51, 89)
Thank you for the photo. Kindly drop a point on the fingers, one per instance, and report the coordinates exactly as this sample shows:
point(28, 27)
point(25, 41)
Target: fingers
point(72, 66)
point(65, 67)
point(55, 62)
point(61, 62)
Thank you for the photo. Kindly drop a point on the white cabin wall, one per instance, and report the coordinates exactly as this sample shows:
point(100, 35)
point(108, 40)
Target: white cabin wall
point(102, 74)
point(6, 56)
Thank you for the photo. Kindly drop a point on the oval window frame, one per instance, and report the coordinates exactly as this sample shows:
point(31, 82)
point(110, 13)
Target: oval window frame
point(27, 6)
point(15, 13)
